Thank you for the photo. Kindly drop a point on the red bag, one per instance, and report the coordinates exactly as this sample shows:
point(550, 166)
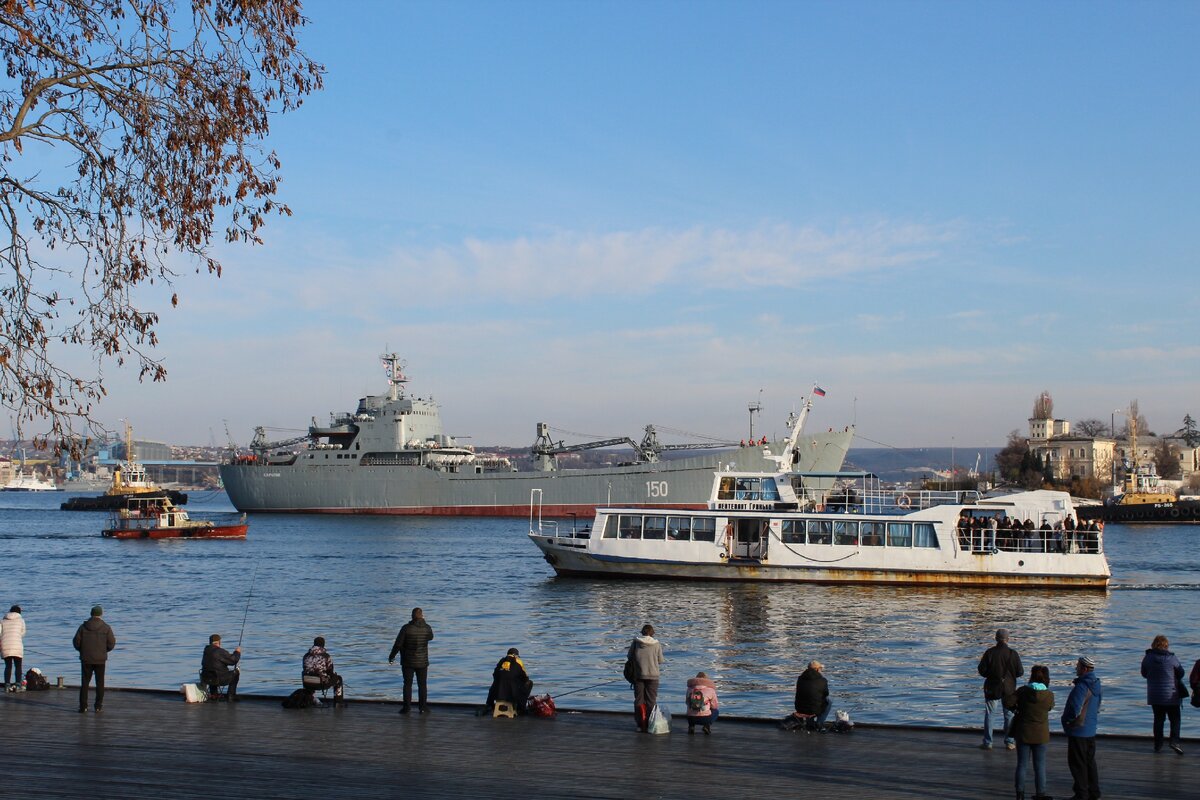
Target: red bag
point(542, 706)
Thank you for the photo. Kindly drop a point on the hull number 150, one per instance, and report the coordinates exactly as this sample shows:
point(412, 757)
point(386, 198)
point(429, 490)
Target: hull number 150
point(656, 488)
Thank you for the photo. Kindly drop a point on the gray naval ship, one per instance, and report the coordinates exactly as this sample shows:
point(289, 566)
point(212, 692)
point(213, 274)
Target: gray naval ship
point(391, 456)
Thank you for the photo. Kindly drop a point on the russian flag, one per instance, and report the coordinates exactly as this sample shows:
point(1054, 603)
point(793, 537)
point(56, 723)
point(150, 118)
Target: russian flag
point(818, 391)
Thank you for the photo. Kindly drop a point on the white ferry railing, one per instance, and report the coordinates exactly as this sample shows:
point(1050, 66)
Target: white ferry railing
point(543, 527)
point(984, 540)
point(888, 501)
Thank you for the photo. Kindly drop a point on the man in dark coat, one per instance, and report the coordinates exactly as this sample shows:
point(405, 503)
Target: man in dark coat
point(510, 682)
point(1000, 668)
point(218, 667)
point(412, 643)
point(94, 640)
point(812, 693)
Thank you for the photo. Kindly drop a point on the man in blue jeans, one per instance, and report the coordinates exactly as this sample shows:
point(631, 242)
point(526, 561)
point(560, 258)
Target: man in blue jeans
point(1000, 668)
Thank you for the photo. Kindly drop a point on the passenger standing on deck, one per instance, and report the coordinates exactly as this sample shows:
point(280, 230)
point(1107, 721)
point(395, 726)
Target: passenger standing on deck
point(218, 667)
point(12, 647)
point(1031, 725)
point(1164, 675)
point(1000, 668)
point(94, 640)
point(646, 653)
point(812, 694)
point(412, 643)
point(1079, 720)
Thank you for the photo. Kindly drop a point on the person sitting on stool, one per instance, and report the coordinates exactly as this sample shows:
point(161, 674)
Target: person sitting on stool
point(812, 694)
point(510, 683)
point(318, 670)
point(218, 667)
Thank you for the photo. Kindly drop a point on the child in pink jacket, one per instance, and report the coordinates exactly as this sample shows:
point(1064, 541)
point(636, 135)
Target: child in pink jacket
point(701, 703)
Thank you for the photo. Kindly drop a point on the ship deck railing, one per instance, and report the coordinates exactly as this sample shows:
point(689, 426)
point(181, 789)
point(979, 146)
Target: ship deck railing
point(886, 501)
point(975, 540)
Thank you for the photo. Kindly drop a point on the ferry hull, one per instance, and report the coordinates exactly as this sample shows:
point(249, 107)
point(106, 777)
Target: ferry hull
point(570, 561)
point(344, 488)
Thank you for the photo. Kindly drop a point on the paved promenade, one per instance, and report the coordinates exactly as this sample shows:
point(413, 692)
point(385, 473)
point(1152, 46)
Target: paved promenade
point(149, 744)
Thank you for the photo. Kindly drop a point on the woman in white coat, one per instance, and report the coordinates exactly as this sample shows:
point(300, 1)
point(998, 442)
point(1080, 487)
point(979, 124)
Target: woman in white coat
point(12, 647)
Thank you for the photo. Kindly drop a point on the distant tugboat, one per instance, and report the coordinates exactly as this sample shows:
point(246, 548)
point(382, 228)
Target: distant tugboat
point(1142, 500)
point(159, 518)
point(129, 480)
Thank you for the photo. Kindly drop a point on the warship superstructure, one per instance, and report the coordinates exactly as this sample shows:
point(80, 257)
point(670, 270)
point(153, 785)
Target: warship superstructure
point(391, 456)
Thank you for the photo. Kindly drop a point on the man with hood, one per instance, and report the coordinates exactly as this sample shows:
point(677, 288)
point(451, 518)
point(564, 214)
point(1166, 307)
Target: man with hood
point(94, 640)
point(645, 654)
point(317, 670)
point(1000, 667)
point(1079, 720)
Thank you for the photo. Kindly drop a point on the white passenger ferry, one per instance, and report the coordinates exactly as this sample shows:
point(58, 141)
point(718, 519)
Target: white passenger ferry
point(820, 528)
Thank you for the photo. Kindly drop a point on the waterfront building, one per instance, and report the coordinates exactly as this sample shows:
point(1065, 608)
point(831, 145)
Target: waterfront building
point(1068, 455)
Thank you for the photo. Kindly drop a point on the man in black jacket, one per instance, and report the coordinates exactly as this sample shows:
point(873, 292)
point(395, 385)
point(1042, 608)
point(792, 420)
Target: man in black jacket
point(812, 693)
point(218, 667)
point(510, 682)
point(94, 640)
point(412, 643)
point(1000, 668)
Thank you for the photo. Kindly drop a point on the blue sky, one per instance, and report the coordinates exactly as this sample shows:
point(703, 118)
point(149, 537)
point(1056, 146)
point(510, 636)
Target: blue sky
point(608, 214)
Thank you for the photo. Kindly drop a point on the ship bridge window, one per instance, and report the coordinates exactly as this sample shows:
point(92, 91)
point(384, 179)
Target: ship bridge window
point(820, 531)
point(845, 533)
point(655, 528)
point(872, 534)
point(924, 535)
point(630, 527)
point(899, 534)
point(792, 531)
point(610, 528)
point(679, 529)
point(704, 529)
point(732, 488)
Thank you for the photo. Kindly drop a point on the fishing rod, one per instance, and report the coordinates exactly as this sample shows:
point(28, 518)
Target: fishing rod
point(584, 689)
point(249, 594)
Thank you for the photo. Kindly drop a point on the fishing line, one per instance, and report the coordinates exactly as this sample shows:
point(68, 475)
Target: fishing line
point(584, 689)
point(249, 594)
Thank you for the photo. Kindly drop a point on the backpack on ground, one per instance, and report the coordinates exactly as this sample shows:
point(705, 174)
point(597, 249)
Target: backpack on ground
point(695, 700)
point(35, 681)
point(301, 698)
point(541, 706)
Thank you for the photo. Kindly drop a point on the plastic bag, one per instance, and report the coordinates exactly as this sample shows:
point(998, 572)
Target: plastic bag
point(541, 706)
point(193, 693)
point(660, 720)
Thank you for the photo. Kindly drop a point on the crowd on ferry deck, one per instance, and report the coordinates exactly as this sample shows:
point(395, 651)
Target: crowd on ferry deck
point(979, 532)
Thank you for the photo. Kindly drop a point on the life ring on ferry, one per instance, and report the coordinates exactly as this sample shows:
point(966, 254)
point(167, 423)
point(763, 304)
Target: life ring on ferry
point(903, 501)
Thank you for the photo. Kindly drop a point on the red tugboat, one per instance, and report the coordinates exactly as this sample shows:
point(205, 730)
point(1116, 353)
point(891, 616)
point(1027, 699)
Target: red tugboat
point(159, 518)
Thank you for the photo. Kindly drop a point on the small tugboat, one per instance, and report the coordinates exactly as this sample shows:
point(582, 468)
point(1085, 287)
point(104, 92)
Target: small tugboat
point(1143, 499)
point(159, 518)
point(129, 480)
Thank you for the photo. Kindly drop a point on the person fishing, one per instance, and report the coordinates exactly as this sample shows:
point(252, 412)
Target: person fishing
point(510, 683)
point(218, 667)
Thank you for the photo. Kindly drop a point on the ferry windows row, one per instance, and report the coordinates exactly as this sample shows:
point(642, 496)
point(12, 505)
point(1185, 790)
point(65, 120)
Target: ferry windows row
point(792, 531)
point(866, 534)
point(677, 529)
point(734, 488)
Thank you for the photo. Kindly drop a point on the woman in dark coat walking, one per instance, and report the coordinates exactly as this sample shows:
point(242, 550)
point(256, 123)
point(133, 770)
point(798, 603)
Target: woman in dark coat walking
point(1164, 677)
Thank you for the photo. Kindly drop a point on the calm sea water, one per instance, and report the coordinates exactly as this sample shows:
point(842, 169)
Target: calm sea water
point(891, 654)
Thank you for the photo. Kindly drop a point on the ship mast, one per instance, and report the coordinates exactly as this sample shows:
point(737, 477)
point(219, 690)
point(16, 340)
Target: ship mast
point(393, 367)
